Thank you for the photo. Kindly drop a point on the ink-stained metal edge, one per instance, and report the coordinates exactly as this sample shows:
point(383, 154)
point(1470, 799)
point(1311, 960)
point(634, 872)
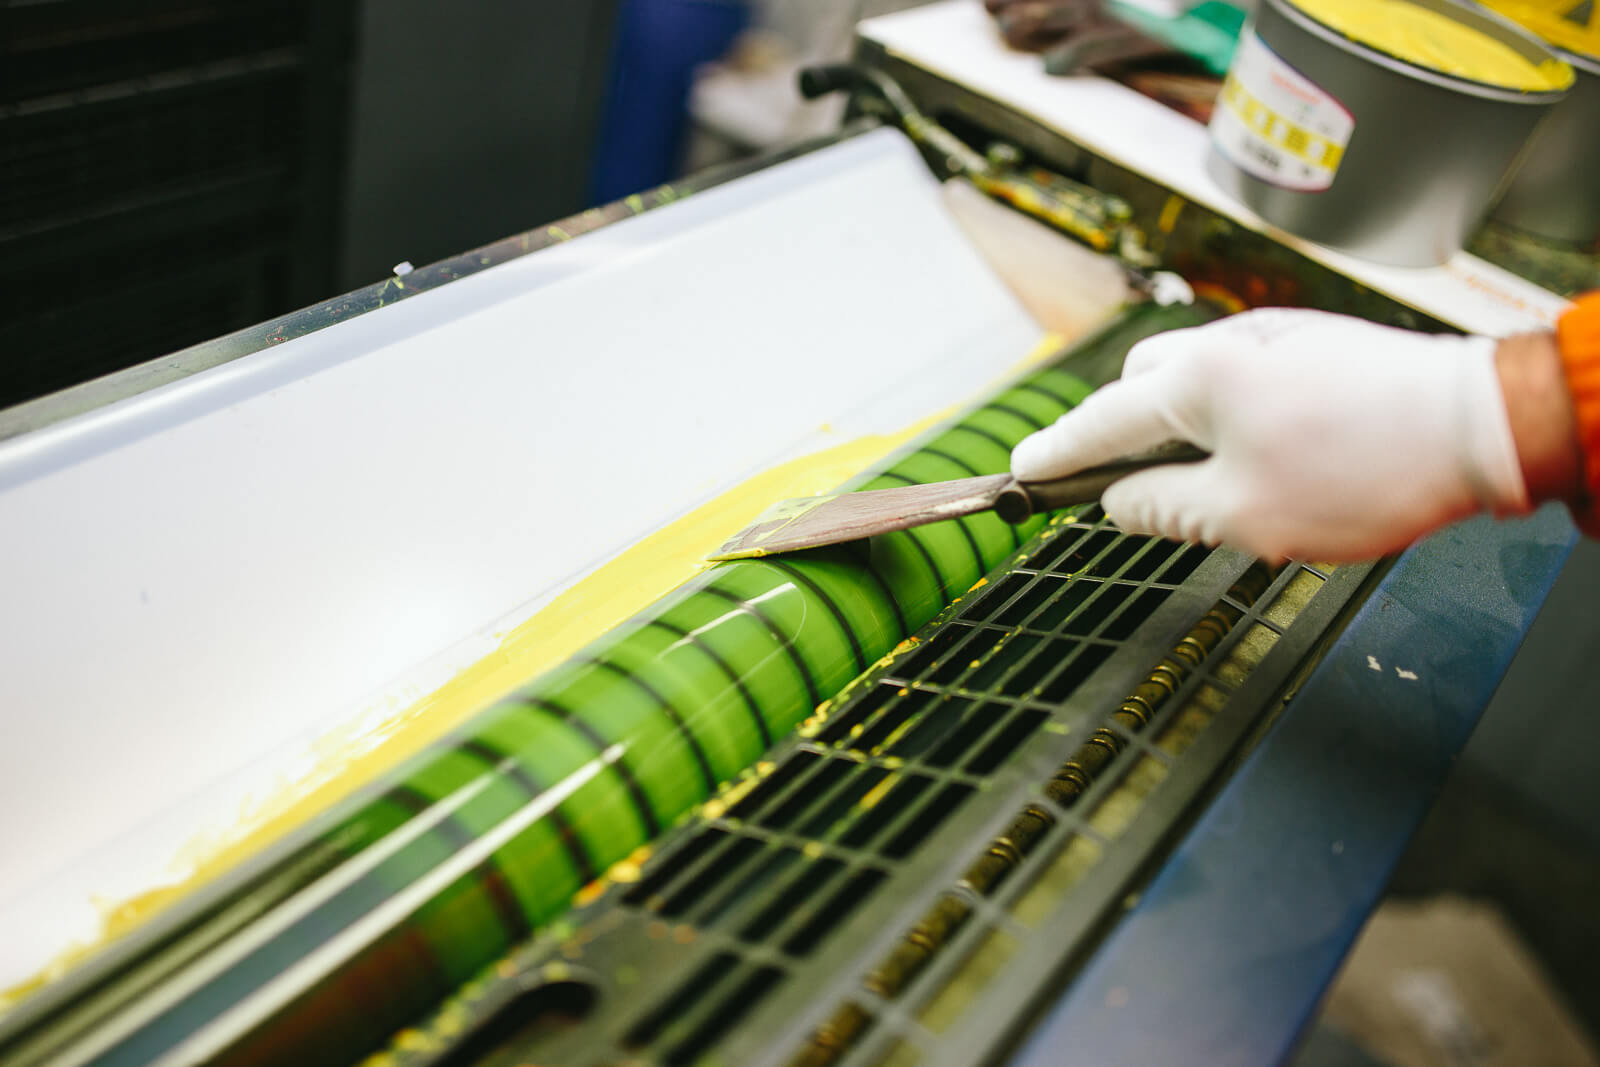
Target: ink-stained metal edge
point(132, 381)
point(1227, 952)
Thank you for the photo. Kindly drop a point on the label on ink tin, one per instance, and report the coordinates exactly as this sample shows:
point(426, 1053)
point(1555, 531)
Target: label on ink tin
point(1274, 123)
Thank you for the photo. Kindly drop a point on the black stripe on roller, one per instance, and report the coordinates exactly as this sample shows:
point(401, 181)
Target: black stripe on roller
point(777, 635)
point(507, 765)
point(630, 781)
point(1035, 387)
point(916, 542)
point(833, 609)
point(954, 461)
point(722, 665)
point(958, 462)
point(491, 878)
point(672, 713)
point(986, 435)
point(865, 560)
point(1016, 413)
point(922, 549)
point(972, 542)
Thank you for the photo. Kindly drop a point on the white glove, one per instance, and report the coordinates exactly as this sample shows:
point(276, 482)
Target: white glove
point(1331, 438)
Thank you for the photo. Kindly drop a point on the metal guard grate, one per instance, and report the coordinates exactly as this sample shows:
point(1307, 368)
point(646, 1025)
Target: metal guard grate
point(943, 835)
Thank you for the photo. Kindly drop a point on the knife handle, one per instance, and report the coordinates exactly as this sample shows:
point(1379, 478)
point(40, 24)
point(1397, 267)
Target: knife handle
point(1020, 501)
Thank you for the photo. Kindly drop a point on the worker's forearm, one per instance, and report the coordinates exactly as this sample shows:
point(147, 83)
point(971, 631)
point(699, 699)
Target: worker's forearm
point(1543, 422)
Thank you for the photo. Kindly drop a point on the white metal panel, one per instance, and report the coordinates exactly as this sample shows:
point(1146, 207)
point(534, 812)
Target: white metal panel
point(204, 578)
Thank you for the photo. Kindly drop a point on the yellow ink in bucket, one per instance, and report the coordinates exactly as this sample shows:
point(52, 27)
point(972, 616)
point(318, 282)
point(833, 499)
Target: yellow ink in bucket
point(1438, 42)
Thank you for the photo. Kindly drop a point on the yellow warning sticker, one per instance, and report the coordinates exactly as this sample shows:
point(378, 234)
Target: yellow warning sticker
point(1278, 125)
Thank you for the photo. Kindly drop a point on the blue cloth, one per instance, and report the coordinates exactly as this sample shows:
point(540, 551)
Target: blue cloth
point(659, 45)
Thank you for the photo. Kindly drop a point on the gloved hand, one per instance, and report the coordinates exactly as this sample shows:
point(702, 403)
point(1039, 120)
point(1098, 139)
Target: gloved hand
point(1331, 438)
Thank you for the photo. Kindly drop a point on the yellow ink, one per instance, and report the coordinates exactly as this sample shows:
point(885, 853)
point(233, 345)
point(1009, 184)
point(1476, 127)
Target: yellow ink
point(1554, 24)
point(1049, 347)
point(354, 755)
point(1436, 41)
point(1169, 214)
point(349, 757)
point(594, 605)
point(785, 512)
point(877, 793)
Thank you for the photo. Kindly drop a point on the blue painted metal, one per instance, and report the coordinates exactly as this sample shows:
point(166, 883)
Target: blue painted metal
point(1226, 954)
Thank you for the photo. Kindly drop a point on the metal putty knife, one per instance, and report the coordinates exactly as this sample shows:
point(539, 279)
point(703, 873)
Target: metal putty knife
point(811, 522)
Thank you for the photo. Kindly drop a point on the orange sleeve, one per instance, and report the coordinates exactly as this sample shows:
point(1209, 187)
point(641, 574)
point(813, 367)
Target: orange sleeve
point(1578, 336)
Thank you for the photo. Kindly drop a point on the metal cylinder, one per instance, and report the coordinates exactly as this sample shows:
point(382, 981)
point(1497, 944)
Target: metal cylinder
point(1354, 148)
point(1555, 193)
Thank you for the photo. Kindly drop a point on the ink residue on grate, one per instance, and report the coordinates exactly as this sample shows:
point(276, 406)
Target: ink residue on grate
point(819, 834)
point(1056, 842)
point(840, 830)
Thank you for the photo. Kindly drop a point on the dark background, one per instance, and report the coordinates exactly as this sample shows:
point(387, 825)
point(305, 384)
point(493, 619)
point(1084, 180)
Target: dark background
point(176, 169)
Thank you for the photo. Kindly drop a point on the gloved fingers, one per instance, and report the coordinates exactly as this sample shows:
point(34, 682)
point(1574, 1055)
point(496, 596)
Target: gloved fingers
point(1183, 502)
point(1120, 419)
point(1197, 503)
point(1264, 330)
point(1172, 346)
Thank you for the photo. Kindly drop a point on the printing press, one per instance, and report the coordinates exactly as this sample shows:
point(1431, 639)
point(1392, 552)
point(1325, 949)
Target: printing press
point(971, 793)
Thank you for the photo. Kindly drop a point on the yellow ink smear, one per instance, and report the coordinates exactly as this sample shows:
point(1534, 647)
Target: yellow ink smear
point(354, 755)
point(1437, 41)
point(351, 756)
